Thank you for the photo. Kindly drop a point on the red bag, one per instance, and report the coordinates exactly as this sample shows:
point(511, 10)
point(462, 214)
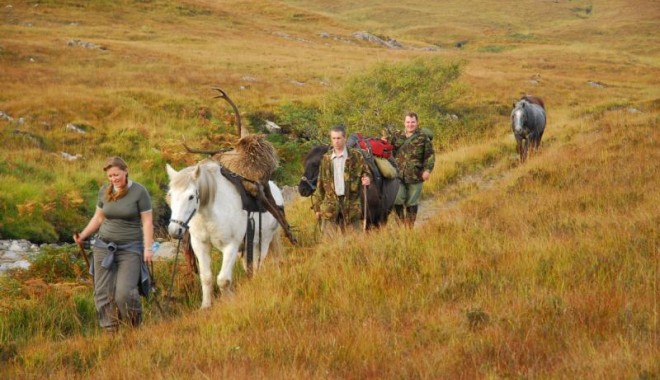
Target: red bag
point(377, 147)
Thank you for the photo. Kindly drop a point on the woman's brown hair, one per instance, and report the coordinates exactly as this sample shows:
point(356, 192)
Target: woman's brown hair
point(115, 162)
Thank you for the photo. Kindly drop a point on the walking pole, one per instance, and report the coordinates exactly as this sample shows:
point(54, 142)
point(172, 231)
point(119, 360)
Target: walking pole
point(364, 194)
point(82, 250)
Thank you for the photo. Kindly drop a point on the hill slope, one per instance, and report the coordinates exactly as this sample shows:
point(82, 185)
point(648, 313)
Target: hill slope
point(543, 270)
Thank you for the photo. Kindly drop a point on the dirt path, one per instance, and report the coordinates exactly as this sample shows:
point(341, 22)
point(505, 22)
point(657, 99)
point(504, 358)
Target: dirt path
point(468, 185)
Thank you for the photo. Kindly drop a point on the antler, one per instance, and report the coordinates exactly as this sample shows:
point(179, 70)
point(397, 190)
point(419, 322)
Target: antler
point(241, 131)
point(209, 152)
point(223, 95)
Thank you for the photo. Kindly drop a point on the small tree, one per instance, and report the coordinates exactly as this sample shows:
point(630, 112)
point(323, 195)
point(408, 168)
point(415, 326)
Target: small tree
point(378, 98)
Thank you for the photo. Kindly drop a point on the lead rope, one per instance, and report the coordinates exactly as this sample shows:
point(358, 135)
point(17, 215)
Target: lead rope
point(154, 287)
point(176, 257)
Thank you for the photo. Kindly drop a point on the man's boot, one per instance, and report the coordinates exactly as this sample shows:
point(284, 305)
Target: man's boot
point(411, 215)
point(399, 212)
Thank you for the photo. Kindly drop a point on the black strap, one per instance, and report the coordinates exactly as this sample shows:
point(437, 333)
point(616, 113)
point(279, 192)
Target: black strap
point(250, 202)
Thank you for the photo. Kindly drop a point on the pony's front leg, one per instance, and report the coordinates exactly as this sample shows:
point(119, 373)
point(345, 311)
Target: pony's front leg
point(519, 148)
point(229, 256)
point(203, 254)
point(525, 149)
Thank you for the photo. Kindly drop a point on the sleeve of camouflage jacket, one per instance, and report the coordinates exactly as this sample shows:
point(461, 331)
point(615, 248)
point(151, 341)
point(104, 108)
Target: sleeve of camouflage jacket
point(429, 155)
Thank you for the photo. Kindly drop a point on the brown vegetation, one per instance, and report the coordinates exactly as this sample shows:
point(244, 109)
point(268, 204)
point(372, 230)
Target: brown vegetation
point(545, 270)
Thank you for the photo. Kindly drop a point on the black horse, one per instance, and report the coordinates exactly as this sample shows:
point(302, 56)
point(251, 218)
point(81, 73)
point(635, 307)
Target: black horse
point(380, 195)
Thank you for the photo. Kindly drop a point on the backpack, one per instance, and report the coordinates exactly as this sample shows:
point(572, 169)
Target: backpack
point(428, 133)
point(375, 146)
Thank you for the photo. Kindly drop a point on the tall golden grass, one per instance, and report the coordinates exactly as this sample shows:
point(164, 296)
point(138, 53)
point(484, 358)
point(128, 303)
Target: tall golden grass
point(544, 270)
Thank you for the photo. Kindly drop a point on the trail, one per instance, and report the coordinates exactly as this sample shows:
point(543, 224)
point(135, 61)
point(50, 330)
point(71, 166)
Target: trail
point(465, 187)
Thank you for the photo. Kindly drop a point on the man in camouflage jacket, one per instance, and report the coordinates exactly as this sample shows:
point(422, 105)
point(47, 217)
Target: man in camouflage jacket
point(337, 198)
point(415, 158)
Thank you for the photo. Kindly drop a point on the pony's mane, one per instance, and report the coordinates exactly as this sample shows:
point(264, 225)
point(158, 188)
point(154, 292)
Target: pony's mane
point(534, 100)
point(317, 151)
point(206, 182)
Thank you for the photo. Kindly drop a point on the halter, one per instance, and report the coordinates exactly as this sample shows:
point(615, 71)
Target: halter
point(185, 224)
point(311, 183)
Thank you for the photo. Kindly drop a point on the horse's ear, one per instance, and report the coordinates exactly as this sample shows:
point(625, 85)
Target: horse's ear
point(195, 173)
point(170, 170)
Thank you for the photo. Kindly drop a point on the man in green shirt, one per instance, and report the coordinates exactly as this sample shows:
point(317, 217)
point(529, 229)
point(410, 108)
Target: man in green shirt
point(415, 158)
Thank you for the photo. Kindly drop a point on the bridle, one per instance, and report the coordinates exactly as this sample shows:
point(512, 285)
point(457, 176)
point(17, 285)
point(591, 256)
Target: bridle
point(183, 224)
point(311, 183)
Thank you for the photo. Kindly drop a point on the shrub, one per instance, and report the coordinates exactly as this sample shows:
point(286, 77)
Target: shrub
point(379, 98)
point(300, 120)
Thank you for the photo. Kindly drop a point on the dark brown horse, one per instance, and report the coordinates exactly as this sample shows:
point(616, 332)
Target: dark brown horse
point(380, 195)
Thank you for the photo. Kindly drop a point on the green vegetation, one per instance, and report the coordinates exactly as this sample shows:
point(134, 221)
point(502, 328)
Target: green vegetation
point(378, 98)
point(367, 102)
point(492, 49)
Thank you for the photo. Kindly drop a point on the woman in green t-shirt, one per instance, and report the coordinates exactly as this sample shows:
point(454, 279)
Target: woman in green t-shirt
point(124, 222)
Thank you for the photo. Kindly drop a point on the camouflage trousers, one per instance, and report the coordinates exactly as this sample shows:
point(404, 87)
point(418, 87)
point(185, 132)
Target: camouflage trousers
point(409, 194)
point(339, 224)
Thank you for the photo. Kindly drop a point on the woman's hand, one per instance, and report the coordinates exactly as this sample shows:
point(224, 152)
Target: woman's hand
point(148, 255)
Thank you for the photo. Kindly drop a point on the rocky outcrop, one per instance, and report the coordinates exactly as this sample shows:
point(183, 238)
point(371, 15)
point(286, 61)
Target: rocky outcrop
point(17, 254)
point(14, 254)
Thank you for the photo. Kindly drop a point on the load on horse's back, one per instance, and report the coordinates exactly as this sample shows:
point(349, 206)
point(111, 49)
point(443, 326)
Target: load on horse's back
point(528, 121)
point(254, 160)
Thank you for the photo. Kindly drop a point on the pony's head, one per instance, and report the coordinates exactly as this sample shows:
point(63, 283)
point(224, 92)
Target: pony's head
point(519, 117)
point(189, 190)
point(312, 162)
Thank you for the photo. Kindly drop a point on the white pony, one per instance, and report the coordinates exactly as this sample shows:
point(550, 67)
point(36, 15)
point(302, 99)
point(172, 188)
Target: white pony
point(203, 200)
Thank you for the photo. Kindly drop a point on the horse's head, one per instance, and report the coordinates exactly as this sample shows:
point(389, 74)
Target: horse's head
point(519, 118)
point(183, 198)
point(310, 176)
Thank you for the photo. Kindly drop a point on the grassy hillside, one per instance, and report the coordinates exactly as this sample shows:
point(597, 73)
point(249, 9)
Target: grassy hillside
point(543, 270)
point(136, 77)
